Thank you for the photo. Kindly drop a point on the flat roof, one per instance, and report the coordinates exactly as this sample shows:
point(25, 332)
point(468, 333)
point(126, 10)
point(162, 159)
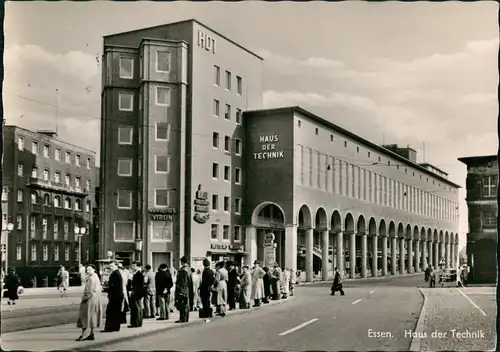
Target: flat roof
point(434, 167)
point(480, 159)
point(185, 21)
point(292, 109)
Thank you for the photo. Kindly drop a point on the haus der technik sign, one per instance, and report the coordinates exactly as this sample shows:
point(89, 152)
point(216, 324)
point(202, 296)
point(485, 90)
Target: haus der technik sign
point(268, 148)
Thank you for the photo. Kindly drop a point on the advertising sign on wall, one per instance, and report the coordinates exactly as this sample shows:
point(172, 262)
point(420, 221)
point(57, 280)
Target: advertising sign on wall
point(201, 206)
point(268, 148)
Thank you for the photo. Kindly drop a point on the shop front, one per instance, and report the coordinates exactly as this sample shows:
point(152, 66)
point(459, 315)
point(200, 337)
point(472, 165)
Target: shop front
point(227, 252)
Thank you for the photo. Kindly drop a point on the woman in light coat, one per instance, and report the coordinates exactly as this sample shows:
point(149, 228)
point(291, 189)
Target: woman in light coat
point(246, 288)
point(196, 289)
point(286, 282)
point(90, 307)
point(257, 284)
point(221, 277)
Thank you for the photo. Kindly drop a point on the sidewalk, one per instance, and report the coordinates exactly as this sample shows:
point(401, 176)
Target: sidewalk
point(62, 337)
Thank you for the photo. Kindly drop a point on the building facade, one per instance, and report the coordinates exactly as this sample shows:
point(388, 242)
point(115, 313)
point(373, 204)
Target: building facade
point(48, 187)
point(482, 240)
point(172, 104)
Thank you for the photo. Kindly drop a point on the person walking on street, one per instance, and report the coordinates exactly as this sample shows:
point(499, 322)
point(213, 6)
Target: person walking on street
point(90, 313)
point(292, 282)
point(163, 283)
point(337, 284)
point(257, 284)
point(63, 278)
point(286, 283)
point(137, 296)
point(232, 283)
point(221, 277)
point(432, 277)
point(246, 288)
point(183, 287)
point(12, 284)
point(206, 285)
point(114, 309)
point(150, 293)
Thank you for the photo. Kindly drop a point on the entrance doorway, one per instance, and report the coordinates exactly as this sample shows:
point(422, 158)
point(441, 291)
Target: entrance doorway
point(160, 258)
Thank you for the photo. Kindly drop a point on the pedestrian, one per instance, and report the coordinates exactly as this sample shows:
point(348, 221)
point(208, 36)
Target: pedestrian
point(63, 277)
point(292, 282)
point(126, 299)
point(337, 283)
point(163, 283)
point(196, 289)
point(464, 273)
point(427, 274)
point(232, 283)
point(150, 293)
point(206, 285)
point(221, 278)
point(246, 288)
point(184, 285)
point(432, 277)
point(286, 283)
point(82, 273)
point(136, 296)
point(257, 284)
point(90, 313)
point(276, 282)
point(12, 284)
point(191, 292)
point(173, 274)
point(114, 309)
point(266, 280)
point(299, 273)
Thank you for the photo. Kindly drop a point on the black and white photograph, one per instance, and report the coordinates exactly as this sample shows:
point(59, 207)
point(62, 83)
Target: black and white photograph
point(249, 176)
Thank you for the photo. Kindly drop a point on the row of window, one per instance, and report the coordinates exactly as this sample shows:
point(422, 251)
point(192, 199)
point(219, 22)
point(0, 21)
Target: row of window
point(68, 203)
point(57, 153)
point(44, 229)
point(126, 99)
point(162, 166)
point(45, 253)
point(160, 231)
point(227, 112)
point(161, 198)
point(226, 233)
point(228, 80)
point(238, 143)
point(126, 133)
point(227, 173)
point(162, 64)
point(341, 177)
point(57, 176)
point(227, 204)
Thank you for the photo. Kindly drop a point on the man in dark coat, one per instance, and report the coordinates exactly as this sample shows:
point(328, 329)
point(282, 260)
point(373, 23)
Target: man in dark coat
point(183, 289)
point(207, 282)
point(267, 285)
point(137, 294)
point(163, 283)
point(337, 284)
point(12, 284)
point(115, 299)
point(232, 282)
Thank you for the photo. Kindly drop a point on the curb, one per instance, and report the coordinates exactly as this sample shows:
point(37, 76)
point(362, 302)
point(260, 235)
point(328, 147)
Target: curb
point(170, 327)
point(419, 329)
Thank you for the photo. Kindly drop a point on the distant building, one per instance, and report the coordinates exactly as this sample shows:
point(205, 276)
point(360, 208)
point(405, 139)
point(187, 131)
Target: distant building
point(48, 185)
point(482, 181)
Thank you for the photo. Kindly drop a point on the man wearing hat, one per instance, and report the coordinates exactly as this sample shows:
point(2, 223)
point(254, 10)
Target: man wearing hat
point(232, 282)
point(206, 285)
point(183, 290)
point(257, 284)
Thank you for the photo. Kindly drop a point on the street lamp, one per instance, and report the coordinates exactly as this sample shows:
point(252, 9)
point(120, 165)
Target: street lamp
point(79, 232)
point(9, 227)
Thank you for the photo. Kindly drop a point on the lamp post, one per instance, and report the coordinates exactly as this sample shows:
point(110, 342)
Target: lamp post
point(8, 229)
point(79, 232)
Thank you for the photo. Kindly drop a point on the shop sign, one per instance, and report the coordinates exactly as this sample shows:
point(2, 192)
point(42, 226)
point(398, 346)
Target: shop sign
point(201, 206)
point(227, 247)
point(207, 42)
point(166, 214)
point(268, 148)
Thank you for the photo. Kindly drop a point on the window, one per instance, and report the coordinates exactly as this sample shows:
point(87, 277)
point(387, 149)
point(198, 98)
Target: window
point(124, 199)
point(162, 197)
point(227, 173)
point(228, 80)
point(216, 107)
point(67, 179)
point(379, 158)
point(162, 164)
point(369, 154)
point(215, 202)
point(46, 150)
point(20, 143)
point(4, 219)
point(124, 136)
point(77, 160)
point(227, 204)
point(237, 175)
point(32, 226)
point(215, 232)
point(56, 254)
point(162, 61)
point(237, 233)
point(238, 144)
point(57, 177)
point(299, 123)
point(78, 204)
point(331, 138)
point(66, 253)
point(490, 186)
point(316, 131)
point(215, 170)
point(34, 172)
point(56, 229)
point(238, 116)
point(357, 149)
point(163, 96)
point(19, 220)
point(5, 194)
point(67, 203)
point(45, 224)
point(217, 75)
point(126, 102)
point(34, 198)
point(162, 231)
point(489, 220)
point(46, 199)
point(20, 170)
point(19, 195)
point(34, 148)
point(124, 167)
point(162, 131)
point(33, 252)
point(67, 158)
point(66, 229)
point(227, 113)
point(227, 143)
point(124, 231)
point(87, 206)
point(45, 175)
point(19, 252)
point(57, 154)
point(225, 232)
point(215, 140)
point(237, 205)
point(89, 163)
point(239, 85)
point(345, 144)
point(126, 68)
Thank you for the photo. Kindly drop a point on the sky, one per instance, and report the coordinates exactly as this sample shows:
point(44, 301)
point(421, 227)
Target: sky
point(406, 73)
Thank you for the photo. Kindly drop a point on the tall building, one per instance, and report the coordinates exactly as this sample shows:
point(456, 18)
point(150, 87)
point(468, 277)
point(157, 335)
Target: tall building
point(48, 186)
point(482, 181)
point(172, 104)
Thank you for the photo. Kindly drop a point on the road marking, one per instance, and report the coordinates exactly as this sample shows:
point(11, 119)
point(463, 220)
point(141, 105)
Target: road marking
point(372, 291)
point(472, 302)
point(299, 327)
point(357, 301)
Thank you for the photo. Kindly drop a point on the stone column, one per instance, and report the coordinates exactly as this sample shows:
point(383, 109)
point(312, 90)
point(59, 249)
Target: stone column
point(424, 255)
point(436, 255)
point(402, 256)
point(417, 256)
point(363, 254)
point(384, 255)
point(393, 256)
point(410, 256)
point(251, 245)
point(352, 255)
point(430, 252)
point(374, 255)
point(291, 247)
point(448, 254)
point(309, 255)
point(325, 234)
point(340, 252)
